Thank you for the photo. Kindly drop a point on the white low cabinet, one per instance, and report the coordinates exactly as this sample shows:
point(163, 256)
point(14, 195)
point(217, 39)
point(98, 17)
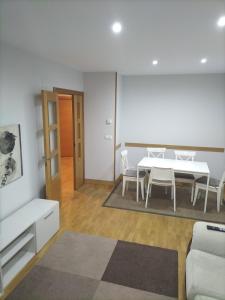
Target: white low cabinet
point(23, 234)
point(47, 225)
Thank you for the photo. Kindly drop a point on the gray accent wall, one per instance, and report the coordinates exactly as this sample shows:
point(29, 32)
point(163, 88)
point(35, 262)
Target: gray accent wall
point(175, 109)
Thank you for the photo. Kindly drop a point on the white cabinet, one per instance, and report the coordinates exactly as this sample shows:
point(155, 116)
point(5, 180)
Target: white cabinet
point(16, 255)
point(46, 226)
point(23, 234)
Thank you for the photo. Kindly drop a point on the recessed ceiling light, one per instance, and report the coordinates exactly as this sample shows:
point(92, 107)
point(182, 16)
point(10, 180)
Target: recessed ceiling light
point(221, 21)
point(155, 62)
point(204, 60)
point(116, 27)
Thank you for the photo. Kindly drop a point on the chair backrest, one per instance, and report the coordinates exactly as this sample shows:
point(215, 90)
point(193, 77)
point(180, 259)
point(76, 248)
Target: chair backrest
point(124, 161)
point(185, 155)
point(156, 152)
point(162, 174)
point(222, 180)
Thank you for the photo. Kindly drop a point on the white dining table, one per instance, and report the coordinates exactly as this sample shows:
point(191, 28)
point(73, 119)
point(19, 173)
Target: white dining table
point(179, 166)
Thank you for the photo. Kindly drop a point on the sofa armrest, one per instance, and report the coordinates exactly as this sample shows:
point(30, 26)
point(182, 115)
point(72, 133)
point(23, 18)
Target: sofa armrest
point(208, 240)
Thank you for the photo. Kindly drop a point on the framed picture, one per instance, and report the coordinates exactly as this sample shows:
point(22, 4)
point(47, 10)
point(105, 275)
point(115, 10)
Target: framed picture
point(10, 154)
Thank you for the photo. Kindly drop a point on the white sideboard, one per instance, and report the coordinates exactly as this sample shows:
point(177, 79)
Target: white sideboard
point(23, 234)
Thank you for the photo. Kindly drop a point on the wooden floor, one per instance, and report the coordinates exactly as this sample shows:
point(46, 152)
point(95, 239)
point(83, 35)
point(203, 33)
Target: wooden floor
point(67, 178)
point(82, 211)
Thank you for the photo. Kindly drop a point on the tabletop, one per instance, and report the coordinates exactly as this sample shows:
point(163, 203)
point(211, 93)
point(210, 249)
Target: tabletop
point(177, 165)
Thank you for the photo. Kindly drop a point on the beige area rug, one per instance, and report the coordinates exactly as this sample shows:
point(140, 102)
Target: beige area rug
point(160, 203)
point(86, 267)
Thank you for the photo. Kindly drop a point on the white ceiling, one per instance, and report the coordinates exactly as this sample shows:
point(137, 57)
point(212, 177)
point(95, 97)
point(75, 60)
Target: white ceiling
point(77, 33)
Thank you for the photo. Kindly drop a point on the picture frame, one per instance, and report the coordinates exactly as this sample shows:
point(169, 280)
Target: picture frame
point(11, 167)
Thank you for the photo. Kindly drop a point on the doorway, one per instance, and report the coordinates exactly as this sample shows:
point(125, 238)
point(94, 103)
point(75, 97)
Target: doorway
point(66, 145)
point(72, 137)
point(71, 112)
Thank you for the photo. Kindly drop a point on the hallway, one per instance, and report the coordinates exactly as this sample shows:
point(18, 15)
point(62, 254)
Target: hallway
point(67, 176)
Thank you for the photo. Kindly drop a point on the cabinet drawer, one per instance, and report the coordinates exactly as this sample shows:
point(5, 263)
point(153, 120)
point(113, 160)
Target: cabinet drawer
point(47, 226)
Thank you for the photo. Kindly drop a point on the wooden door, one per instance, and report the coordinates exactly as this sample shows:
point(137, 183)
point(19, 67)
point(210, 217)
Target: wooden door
point(78, 110)
point(50, 108)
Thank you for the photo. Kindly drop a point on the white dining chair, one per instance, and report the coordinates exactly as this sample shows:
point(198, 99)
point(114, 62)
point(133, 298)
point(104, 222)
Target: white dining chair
point(185, 155)
point(130, 174)
point(215, 185)
point(156, 152)
point(185, 178)
point(162, 177)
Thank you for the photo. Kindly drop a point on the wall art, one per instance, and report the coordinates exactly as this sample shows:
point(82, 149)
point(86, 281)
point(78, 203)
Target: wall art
point(10, 154)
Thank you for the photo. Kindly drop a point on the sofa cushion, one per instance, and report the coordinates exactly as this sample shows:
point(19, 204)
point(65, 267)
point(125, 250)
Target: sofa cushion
point(184, 176)
point(212, 181)
point(133, 173)
point(205, 275)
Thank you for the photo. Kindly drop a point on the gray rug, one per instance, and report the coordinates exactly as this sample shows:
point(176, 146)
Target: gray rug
point(80, 266)
point(160, 203)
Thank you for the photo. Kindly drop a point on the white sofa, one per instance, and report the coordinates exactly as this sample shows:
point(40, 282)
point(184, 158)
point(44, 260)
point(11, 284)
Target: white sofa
point(205, 264)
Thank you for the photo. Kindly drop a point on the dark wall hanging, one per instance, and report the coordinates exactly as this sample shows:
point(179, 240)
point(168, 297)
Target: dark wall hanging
point(10, 154)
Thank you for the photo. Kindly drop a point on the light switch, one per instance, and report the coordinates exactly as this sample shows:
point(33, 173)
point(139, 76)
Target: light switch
point(108, 137)
point(108, 121)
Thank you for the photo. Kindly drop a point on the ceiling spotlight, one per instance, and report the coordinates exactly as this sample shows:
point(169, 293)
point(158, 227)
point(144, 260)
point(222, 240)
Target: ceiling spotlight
point(204, 60)
point(221, 22)
point(116, 27)
point(155, 62)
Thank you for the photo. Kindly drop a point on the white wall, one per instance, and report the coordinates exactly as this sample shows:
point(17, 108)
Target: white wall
point(176, 109)
point(22, 77)
point(184, 110)
point(119, 99)
point(99, 105)
point(118, 124)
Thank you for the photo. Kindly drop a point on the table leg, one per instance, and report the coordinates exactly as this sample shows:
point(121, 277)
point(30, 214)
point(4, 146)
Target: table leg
point(206, 193)
point(137, 184)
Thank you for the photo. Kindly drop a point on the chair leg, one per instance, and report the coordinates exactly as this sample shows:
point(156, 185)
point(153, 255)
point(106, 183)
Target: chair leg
point(218, 200)
point(150, 190)
point(149, 187)
point(146, 186)
point(174, 198)
point(142, 190)
point(124, 186)
point(127, 185)
point(146, 183)
point(192, 192)
point(205, 205)
point(166, 190)
point(196, 196)
point(222, 196)
point(172, 193)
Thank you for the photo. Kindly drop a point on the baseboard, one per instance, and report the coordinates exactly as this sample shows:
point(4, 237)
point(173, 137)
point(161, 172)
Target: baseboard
point(96, 181)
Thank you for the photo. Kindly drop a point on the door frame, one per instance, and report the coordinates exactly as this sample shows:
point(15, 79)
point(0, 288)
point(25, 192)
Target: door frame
point(52, 183)
point(74, 93)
